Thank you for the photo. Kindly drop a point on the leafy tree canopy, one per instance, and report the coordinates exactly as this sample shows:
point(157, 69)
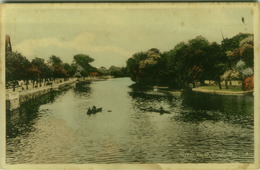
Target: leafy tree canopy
point(54, 60)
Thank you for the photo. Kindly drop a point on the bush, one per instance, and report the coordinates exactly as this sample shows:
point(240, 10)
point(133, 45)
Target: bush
point(249, 83)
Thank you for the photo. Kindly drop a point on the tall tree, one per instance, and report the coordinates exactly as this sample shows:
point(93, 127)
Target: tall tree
point(103, 71)
point(17, 68)
point(133, 65)
point(229, 44)
point(55, 61)
point(70, 69)
point(45, 71)
point(142, 66)
point(118, 71)
point(57, 67)
point(246, 49)
point(83, 61)
point(215, 64)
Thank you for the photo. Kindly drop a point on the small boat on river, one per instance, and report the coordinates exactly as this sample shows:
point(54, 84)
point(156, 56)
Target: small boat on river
point(93, 110)
point(160, 110)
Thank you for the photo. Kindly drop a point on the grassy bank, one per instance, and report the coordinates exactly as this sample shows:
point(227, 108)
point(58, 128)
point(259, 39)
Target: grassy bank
point(215, 89)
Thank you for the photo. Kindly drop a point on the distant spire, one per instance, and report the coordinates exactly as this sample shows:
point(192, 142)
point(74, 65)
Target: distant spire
point(222, 34)
point(8, 46)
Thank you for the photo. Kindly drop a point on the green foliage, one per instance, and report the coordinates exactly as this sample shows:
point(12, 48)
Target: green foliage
point(143, 67)
point(185, 64)
point(57, 67)
point(243, 50)
point(133, 65)
point(83, 61)
point(195, 60)
point(70, 69)
point(241, 60)
point(103, 71)
point(17, 66)
point(246, 50)
point(229, 44)
point(43, 70)
point(54, 60)
point(216, 62)
point(117, 71)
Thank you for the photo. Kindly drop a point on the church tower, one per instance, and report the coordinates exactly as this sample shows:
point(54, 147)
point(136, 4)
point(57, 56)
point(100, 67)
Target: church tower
point(8, 46)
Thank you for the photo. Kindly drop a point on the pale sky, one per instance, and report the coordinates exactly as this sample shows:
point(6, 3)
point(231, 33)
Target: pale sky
point(111, 34)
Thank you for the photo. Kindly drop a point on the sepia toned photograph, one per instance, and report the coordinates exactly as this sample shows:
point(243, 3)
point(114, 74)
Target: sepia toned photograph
point(129, 83)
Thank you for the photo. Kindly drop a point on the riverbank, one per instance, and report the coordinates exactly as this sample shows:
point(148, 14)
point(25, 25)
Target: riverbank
point(214, 90)
point(15, 99)
point(207, 89)
point(90, 79)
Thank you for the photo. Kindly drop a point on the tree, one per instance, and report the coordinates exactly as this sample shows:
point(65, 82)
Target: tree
point(82, 61)
point(232, 47)
point(187, 62)
point(34, 73)
point(45, 71)
point(103, 71)
point(58, 67)
point(215, 64)
point(70, 69)
point(17, 68)
point(196, 59)
point(55, 61)
point(243, 71)
point(241, 59)
point(229, 44)
point(117, 71)
point(133, 65)
point(176, 60)
point(143, 66)
point(246, 49)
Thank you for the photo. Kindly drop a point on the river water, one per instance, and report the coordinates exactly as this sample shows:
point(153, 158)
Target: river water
point(201, 128)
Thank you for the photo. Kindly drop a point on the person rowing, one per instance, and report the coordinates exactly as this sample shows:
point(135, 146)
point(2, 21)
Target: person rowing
point(89, 112)
point(161, 110)
point(94, 110)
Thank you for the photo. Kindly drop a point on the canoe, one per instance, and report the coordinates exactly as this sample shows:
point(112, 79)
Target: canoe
point(156, 110)
point(91, 111)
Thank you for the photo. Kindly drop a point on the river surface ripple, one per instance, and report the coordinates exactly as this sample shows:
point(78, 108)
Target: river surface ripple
point(201, 128)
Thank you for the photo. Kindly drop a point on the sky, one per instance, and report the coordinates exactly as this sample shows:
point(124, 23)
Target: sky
point(113, 33)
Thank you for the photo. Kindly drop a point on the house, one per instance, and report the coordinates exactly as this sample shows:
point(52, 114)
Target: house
point(93, 74)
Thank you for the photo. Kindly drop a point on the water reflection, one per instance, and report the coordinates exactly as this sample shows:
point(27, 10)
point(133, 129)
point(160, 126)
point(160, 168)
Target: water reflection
point(151, 101)
point(203, 106)
point(22, 120)
point(194, 107)
point(56, 128)
point(82, 89)
point(201, 127)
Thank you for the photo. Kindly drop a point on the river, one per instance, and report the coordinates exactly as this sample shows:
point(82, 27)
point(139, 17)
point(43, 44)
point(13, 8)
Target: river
point(201, 128)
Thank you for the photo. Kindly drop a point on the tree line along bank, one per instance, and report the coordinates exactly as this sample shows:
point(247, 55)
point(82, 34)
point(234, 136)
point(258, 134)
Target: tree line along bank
point(38, 71)
point(188, 63)
point(196, 61)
